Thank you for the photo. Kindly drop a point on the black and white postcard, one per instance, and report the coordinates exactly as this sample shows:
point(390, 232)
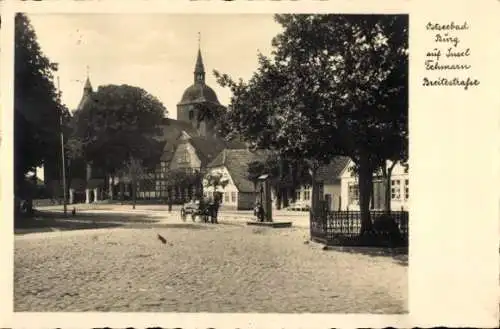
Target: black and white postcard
point(248, 164)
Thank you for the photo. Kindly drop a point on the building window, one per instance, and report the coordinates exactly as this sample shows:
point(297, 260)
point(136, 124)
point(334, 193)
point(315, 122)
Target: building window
point(307, 195)
point(191, 115)
point(183, 157)
point(297, 195)
point(395, 189)
point(407, 191)
point(353, 193)
point(226, 197)
point(233, 197)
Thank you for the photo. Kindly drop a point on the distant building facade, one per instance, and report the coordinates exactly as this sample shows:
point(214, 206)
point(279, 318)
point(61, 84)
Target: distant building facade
point(399, 188)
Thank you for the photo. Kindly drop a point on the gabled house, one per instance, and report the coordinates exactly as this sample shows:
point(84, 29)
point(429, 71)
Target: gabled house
point(239, 193)
point(329, 185)
point(328, 178)
point(400, 193)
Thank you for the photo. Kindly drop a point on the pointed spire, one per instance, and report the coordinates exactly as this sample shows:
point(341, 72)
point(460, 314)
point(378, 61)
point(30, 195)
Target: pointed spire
point(199, 69)
point(88, 86)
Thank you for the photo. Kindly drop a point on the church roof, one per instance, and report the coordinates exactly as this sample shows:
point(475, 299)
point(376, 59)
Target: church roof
point(199, 93)
point(172, 129)
point(236, 162)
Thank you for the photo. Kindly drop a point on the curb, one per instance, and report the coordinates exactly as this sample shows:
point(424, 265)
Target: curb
point(376, 250)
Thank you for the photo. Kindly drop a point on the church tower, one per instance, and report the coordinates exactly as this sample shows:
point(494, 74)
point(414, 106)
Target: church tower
point(87, 93)
point(196, 97)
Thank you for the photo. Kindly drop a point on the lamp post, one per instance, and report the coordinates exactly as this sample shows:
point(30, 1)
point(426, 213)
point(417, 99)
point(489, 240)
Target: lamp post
point(65, 205)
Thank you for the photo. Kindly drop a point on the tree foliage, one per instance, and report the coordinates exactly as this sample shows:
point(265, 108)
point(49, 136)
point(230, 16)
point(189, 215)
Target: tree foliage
point(334, 85)
point(285, 174)
point(135, 170)
point(37, 105)
point(215, 180)
point(117, 124)
point(182, 178)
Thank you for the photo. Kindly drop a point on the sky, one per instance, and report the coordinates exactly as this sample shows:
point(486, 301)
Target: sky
point(156, 52)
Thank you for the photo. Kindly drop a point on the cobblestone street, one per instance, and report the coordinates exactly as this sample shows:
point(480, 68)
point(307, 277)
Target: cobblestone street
point(203, 268)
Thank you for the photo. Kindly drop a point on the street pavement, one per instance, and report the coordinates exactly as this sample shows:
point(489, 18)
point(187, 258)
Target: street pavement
point(228, 267)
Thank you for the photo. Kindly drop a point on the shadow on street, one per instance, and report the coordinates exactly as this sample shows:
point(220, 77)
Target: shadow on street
point(46, 221)
point(400, 256)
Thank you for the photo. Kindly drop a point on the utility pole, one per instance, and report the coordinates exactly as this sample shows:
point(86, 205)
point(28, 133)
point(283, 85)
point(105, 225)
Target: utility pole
point(62, 153)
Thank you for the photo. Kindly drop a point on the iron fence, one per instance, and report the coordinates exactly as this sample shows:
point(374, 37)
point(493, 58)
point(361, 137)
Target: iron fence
point(344, 228)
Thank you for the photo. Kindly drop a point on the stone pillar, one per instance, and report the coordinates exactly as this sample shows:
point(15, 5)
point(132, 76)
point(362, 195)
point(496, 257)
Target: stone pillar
point(87, 195)
point(71, 196)
point(96, 194)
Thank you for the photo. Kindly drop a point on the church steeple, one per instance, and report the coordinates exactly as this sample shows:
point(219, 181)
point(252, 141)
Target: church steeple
point(87, 89)
point(199, 69)
point(87, 92)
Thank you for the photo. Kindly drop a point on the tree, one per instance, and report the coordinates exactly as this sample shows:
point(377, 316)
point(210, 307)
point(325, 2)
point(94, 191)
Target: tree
point(285, 176)
point(37, 105)
point(254, 170)
point(215, 114)
point(135, 170)
point(118, 124)
point(334, 85)
point(215, 180)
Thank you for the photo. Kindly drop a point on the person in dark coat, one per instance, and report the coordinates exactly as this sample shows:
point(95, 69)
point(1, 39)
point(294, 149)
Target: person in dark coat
point(214, 210)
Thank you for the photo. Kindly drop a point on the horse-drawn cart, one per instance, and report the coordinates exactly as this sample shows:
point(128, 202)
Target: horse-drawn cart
point(207, 212)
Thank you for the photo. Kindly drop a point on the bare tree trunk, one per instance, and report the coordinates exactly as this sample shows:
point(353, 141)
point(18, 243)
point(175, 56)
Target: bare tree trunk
point(134, 193)
point(286, 201)
point(122, 189)
point(315, 188)
point(293, 195)
point(365, 189)
point(111, 187)
point(278, 198)
point(387, 172)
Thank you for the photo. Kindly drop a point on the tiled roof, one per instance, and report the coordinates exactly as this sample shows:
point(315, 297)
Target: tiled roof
point(236, 162)
point(208, 148)
point(331, 173)
point(171, 130)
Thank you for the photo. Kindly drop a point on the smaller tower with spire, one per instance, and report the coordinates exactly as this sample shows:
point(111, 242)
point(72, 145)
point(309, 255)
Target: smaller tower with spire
point(87, 92)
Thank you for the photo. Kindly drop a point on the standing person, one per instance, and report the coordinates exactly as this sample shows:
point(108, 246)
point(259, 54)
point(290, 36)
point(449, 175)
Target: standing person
point(215, 210)
point(169, 202)
point(260, 212)
point(201, 208)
